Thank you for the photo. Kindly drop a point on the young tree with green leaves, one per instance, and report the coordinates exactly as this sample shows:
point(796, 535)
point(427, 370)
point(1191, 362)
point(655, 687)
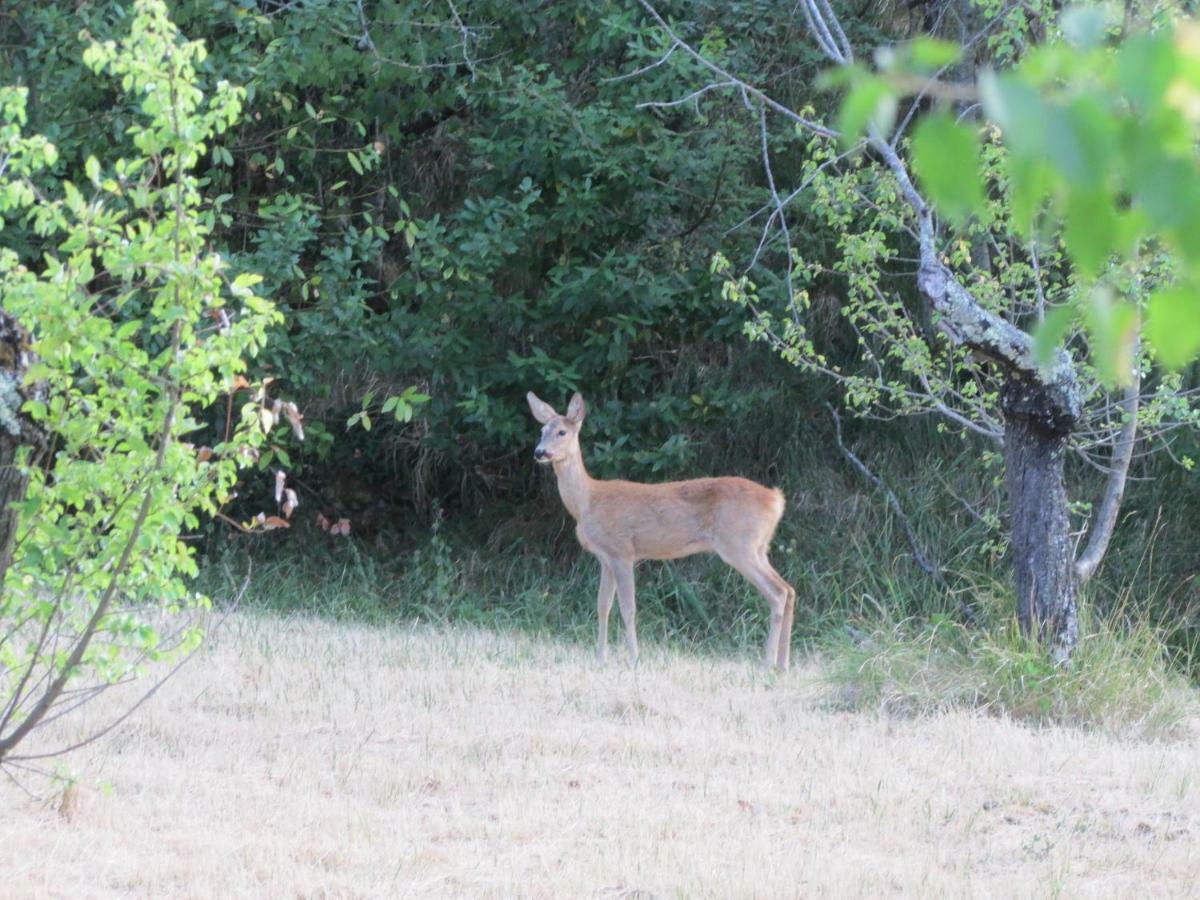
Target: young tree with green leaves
point(1046, 223)
point(132, 327)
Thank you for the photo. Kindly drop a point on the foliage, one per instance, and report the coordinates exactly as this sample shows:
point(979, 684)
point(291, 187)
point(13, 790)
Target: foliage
point(463, 201)
point(1099, 126)
point(139, 328)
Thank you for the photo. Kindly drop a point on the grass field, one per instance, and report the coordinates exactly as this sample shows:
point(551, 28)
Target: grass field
point(301, 758)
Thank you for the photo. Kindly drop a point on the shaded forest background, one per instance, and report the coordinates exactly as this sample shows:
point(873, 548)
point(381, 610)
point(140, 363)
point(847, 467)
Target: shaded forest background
point(454, 204)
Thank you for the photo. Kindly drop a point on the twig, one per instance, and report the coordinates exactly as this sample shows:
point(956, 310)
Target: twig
point(918, 554)
point(753, 92)
point(92, 738)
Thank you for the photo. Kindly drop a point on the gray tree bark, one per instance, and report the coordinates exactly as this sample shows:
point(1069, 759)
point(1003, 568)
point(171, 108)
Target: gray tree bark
point(1036, 438)
point(16, 430)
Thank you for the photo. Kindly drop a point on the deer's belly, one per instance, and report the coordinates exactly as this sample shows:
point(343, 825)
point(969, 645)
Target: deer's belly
point(651, 546)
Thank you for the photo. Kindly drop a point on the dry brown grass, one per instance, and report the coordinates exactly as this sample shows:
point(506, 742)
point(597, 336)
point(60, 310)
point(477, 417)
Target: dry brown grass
point(299, 758)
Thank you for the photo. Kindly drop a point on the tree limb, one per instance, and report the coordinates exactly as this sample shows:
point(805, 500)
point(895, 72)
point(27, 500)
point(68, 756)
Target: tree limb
point(1106, 519)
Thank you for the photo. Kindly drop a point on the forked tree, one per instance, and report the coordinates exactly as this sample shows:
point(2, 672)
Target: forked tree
point(622, 522)
point(968, 346)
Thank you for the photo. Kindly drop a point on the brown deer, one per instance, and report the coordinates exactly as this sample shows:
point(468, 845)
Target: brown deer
point(622, 522)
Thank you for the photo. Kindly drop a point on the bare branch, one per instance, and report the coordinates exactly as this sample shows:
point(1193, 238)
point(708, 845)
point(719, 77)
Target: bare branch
point(753, 92)
point(1106, 519)
point(644, 69)
point(794, 194)
point(843, 43)
point(95, 736)
point(820, 31)
point(694, 95)
point(467, 37)
point(779, 213)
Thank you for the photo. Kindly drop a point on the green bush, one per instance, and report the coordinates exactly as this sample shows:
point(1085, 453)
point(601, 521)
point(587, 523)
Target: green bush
point(138, 327)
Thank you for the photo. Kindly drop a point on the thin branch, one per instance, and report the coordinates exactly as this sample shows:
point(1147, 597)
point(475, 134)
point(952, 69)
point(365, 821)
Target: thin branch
point(1106, 519)
point(753, 92)
point(467, 37)
point(694, 95)
point(796, 193)
point(918, 554)
point(644, 69)
point(779, 213)
point(92, 738)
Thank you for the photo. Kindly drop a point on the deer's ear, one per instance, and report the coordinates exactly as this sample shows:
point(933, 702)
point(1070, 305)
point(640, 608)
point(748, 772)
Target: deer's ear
point(576, 411)
point(542, 411)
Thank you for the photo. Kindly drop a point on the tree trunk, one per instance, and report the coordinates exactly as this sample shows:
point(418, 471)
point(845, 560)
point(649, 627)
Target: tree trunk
point(16, 430)
point(1035, 443)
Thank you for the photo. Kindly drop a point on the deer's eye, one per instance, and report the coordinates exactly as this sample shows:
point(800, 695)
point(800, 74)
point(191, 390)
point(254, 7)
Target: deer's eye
point(562, 434)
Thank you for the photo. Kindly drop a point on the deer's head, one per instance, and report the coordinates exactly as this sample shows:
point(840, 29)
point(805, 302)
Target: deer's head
point(560, 434)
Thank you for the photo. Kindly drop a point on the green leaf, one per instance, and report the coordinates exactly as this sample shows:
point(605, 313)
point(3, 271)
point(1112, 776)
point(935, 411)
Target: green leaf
point(1016, 107)
point(946, 158)
point(930, 54)
point(1145, 65)
point(1113, 328)
point(870, 101)
point(1031, 182)
point(1173, 325)
point(1048, 336)
point(1091, 230)
point(1080, 141)
point(1084, 26)
point(352, 158)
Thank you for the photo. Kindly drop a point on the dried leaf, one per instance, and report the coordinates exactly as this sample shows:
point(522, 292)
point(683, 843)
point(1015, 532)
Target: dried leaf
point(280, 481)
point(219, 316)
point(342, 526)
point(295, 419)
point(204, 454)
point(322, 522)
point(291, 501)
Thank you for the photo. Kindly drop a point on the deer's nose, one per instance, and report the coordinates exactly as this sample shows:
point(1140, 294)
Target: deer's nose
point(539, 453)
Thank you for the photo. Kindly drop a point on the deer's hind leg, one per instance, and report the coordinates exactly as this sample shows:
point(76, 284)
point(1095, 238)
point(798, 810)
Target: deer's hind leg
point(778, 594)
point(784, 651)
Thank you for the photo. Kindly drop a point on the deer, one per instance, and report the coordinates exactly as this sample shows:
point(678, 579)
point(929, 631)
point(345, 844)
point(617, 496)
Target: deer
point(623, 522)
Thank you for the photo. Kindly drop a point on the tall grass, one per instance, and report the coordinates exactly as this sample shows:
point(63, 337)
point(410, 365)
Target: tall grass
point(1119, 681)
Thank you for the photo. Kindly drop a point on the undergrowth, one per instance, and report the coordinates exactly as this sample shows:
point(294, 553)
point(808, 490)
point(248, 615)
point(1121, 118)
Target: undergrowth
point(1120, 679)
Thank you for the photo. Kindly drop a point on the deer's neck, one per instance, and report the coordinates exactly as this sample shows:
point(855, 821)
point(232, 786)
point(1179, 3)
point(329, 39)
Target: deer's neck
point(574, 484)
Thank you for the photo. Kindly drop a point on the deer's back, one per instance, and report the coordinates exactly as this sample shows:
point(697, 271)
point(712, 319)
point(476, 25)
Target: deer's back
point(677, 518)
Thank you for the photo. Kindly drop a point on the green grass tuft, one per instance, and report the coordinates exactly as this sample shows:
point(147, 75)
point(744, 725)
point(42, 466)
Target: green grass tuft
point(1120, 680)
